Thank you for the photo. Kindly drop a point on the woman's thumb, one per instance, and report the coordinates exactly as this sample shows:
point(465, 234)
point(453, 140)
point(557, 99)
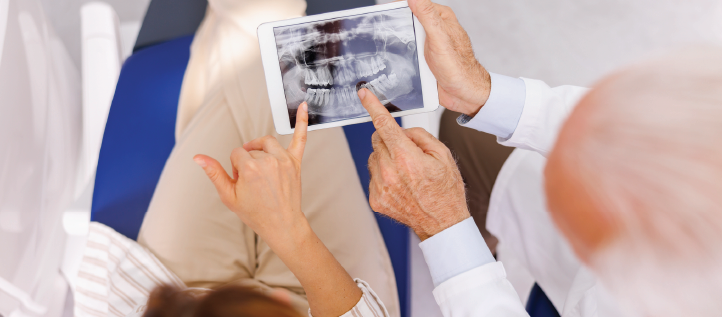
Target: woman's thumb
point(215, 172)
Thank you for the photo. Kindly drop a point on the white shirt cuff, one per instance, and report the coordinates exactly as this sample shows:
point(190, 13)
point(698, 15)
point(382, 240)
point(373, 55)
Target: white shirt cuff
point(501, 112)
point(455, 250)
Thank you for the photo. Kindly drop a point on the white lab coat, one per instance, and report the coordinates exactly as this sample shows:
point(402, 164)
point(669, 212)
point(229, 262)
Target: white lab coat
point(517, 216)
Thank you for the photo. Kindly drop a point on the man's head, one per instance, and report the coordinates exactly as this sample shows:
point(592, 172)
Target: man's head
point(635, 183)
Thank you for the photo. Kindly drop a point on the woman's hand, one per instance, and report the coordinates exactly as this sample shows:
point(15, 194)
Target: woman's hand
point(265, 191)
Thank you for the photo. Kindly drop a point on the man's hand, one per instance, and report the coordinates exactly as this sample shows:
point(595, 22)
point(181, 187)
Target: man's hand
point(265, 191)
point(414, 178)
point(464, 85)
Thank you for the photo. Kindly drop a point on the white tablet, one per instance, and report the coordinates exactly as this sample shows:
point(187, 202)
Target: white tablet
point(325, 59)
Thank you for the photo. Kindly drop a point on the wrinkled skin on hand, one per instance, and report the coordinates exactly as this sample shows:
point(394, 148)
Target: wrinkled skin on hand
point(414, 177)
point(463, 84)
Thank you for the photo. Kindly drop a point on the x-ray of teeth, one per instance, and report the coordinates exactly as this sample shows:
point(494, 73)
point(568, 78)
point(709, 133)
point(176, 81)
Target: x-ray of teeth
point(325, 63)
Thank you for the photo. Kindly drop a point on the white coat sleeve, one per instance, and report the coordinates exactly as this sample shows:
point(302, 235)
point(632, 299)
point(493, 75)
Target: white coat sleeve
point(481, 292)
point(545, 110)
point(467, 280)
point(524, 113)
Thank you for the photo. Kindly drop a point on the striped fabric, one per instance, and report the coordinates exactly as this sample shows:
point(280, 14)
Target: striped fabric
point(369, 305)
point(116, 275)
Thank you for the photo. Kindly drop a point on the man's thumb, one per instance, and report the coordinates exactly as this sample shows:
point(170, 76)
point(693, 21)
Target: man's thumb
point(425, 11)
point(219, 177)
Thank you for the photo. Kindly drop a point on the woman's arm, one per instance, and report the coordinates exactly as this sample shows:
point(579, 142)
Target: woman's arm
point(330, 289)
point(265, 192)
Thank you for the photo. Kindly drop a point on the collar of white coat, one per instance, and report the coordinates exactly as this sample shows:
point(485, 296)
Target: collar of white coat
point(588, 298)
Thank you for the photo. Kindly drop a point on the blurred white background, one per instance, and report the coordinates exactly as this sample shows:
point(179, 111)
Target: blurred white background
point(65, 17)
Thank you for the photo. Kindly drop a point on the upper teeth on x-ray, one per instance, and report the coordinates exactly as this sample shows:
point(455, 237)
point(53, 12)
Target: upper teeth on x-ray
point(325, 63)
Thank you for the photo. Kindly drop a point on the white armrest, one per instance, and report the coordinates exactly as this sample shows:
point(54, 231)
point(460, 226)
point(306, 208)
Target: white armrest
point(101, 60)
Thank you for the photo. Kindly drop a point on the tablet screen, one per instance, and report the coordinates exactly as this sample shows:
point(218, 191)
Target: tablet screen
point(326, 62)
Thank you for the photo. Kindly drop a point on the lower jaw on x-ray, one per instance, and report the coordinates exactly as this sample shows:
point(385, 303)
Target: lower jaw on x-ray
point(325, 63)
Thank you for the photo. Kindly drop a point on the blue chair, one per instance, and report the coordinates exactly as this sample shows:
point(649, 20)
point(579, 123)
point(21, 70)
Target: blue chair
point(139, 137)
point(139, 134)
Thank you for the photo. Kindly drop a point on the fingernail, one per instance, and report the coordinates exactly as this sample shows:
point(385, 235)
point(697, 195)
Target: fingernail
point(304, 106)
point(200, 162)
point(362, 93)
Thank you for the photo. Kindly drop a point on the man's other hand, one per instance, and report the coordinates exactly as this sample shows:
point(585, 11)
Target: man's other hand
point(414, 178)
point(464, 84)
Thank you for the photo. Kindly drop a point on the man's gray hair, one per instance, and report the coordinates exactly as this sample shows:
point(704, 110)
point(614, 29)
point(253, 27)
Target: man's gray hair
point(652, 160)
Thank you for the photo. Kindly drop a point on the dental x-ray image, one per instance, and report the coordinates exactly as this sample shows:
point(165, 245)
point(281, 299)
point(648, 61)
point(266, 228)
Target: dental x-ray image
point(325, 63)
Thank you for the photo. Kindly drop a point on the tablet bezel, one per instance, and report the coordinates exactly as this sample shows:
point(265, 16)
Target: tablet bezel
point(274, 81)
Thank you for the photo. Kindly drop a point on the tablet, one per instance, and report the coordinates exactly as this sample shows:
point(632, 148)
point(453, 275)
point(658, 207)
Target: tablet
point(325, 59)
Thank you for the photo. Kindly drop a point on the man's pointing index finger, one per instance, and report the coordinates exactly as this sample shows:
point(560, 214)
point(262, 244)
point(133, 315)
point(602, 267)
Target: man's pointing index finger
point(387, 128)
